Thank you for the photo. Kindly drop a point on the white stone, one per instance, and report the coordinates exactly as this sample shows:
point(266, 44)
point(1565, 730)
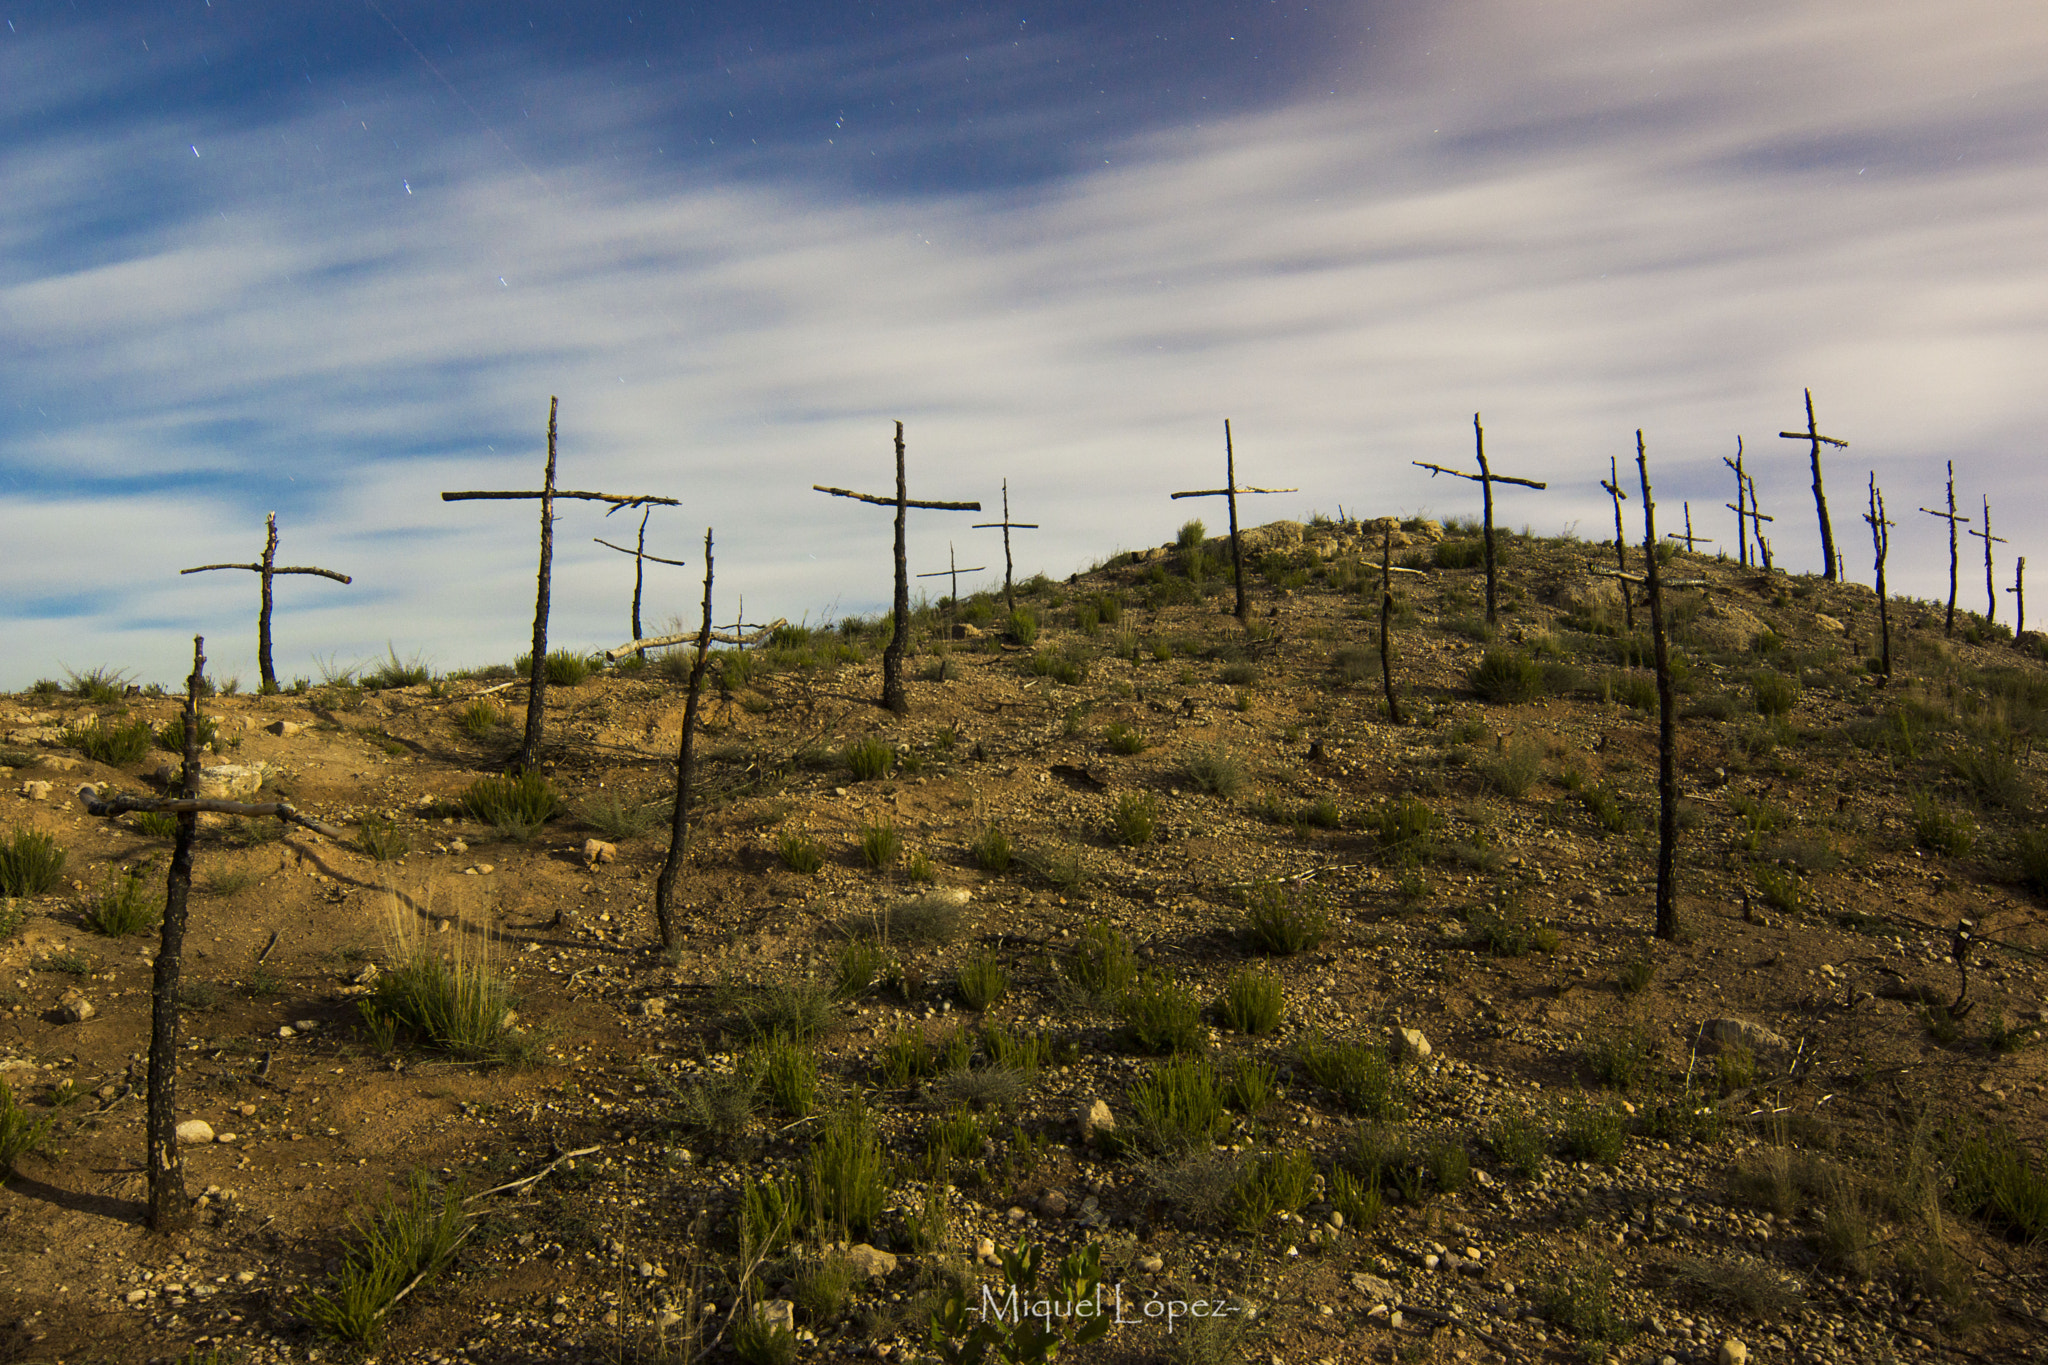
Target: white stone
point(74, 1008)
point(36, 791)
point(285, 728)
point(1733, 1352)
point(1414, 1044)
point(193, 1132)
point(1742, 1033)
point(597, 851)
point(776, 1314)
point(870, 1261)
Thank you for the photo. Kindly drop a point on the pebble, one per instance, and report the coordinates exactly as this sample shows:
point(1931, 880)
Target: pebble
point(1151, 1265)
point(194, 1131)
point(1733, 1352)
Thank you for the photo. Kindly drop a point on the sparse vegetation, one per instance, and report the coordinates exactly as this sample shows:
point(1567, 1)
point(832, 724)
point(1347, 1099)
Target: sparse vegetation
point(1285, 918)
point(125, 905)
point(1214, 769)
point(515, 805)
point(31, 863)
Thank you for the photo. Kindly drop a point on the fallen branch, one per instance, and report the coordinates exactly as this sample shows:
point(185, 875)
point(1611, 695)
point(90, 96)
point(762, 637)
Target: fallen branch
point(95, 804)
point(535, 1178)
point(690, 637)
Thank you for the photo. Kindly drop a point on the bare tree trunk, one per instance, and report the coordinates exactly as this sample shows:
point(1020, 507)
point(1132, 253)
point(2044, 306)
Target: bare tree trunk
point(1387, 624)
point(639, 568)
point(1486, 502)
point(170, 1210)
point(1009, 597)
point(537, 675)
point(679, 829)
point(893, 695)
point(1820, 502)
point(1949, 629)
point(1881, 543)
point(1236, 551)
point(263, 616)
point(1667, 720)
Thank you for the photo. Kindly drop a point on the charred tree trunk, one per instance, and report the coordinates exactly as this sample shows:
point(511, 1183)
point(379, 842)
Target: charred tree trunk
point(893, 695)
point(679, 829)
point(537, 675)
point(1949, 626)
point(170, 1210)
point(263, 616)
point(1881, 544)
point(1667, 719)
point(1387, 624)
point(1236, 551)
point(1486, 521)
point(640, 571)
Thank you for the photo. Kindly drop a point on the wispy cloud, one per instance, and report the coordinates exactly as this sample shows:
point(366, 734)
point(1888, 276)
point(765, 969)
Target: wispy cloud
point(1603, 220)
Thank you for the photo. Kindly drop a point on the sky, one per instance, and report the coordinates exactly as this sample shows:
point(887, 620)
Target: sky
point(330, 259)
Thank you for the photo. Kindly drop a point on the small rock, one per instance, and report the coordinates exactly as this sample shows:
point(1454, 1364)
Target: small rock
point(36, 791)
point(1394, 1318)
point(654, 1007)
point(1336, 1219)
point(135, 1295)
point(58, 763)
point(596, 851)
point(287, 1031)
point(1825, 622)
point(1094, 1116)
point(193, 1132)
point(285, 728)
point(305, 1025)
point(1016, 1214)
point(1431, 1261)
point(985, 1250)
point(1052, 1204)
point(869, 1261)
point(1151, 1265)
point(1742, 1033)
point(1413, 1044)
point(366, 975)
point(776, 1314)
point(484, 869)
point(74, 1008)
point(226, 781)
point(457, 846)
point(244, 1276)
point(1733, 1352)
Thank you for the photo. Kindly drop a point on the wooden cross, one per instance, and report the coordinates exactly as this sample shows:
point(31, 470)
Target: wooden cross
point(1738, 507)
point(1881, 544)
point(537, 678)
point(893, 695)
point(1230, 490)
point(1617, 495)
point(1692, 541)
point(2019, 593)
point(1756, 521)
point(1989, 539)
point(1667, 714)
point(267, 567)
point(1486, 479)
point(1387, 571)
point(1820, 502)
point(955, 571)
point(1009, 597)
point(1951, 518)
point(639, 553)
point(741, 625)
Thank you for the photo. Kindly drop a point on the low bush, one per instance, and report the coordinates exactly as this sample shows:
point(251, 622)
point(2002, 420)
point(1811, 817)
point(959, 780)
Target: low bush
point(1161, 1015)
point(1214, 769)
point(869, 759)
point(31, 863)
point(847, 1175)
point(1404, 831)
point(1506, 676)
point(1358, 1074)
point(1177, 1106)
point(1103, 964)
point(1772, 692)
point(619, 815)
point(19, 1135)
point(1136, 818)
point(515, 805)
point(1285, 918)
point(880, 843)
point(127, 905)
point(114, 745)
point(983, 981)
point(991, 849)
point(799, 852)
point(1276, 1183)
point(1253, 1001)
point(401, 1243)
point(458, 1006)
point(1124, 739)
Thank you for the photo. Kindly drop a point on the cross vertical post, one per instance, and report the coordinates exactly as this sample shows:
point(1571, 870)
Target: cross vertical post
point(1486, 479)
point(537, 677)
point(1615, 494)
point(1881, 544)
point(1739, 507)
point(1951, 518)
point(640, 557)
point(2019, 599)
point(679, 824)
point(1756, 521)
point(893, 695)
point(1009, 596)
point(1990, 590)
point(1230, 490)
point(1820, 503)
point(1667, 719)
point(954, 572)
point(267, 569)
point(1692, 542)
point(170, 1209)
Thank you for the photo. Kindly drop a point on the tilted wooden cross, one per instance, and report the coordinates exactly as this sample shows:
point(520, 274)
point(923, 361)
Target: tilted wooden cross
point(954, 571)
point(741, 625)
point(1812, 434)
point(1756, 523)
point(1951, 518)
point(1692, 541)
point(537, 679)
point(1230, 490)
point(1486, 479)
point(639, 553)
point(1009, 597)
point(267, 567)
point(2019, 593)
point(1881, 545)
point(1739, 507)
point(1990, 612)
point(1617, 495)
point(893, 695)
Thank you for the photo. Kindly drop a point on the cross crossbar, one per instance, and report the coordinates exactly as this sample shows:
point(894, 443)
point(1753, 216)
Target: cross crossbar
point(898, 502)
point(1478, 478)
point(1226, 492)
point(640, 554)
point(513, 495)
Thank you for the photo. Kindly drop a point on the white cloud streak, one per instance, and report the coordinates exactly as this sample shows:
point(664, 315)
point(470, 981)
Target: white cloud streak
point(1617, 217)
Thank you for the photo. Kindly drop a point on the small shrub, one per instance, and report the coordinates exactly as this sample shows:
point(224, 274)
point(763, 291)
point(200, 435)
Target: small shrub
point(799, 853)
point(1506, 676)
point(907, 1056)
point(926, 920)
point(1251, 1086)
point(770, 1212)
point(1214, 769)
point(1357, 1199)
point(869, 759)
point(1934, 828)
point(1124, 739)
point(1161, 1015)
point(1734, 1069)
point(401, 1243)
point(983, 981)
point(1594, 1132)
point(1993, 773)
point(760, 1341)
point(860, 964)
point(1404, 831)
point(1285, 918)
point(1064, 667)
point(170, 736)
point(479, 718)
point(991, 849)
point(1516, 1141)
point(1621, 1058)
point(1607, 810)
point(1278, 1182)
point(396, 672)
point(1357, 1073)
point(1580, 1299)
point(1023, 626)
point(127, 906)
point(1136, 818)
point(880, 844)
point(2031, 852)
point(789, 1074)
point(1780, 888)
point(18, 1135)
point(562, 668)
point(114, 745)
point(30, 863)
point(516, 805)
point(1772, 692)
point(800, 1011)
point(1059, 867)
point(1253, 1001)
point(1191, 535)
point(1103, 963)
point(1177, 1105)
point(461, 1007)
point(382, 840)
point(156, 824)
point(1512, 769)
point(1634, 976)
point(848, 1177)
point(1507, 931)
point(101, 686)
point(617, 815)
point(1997, 1179)
point(955, 1136)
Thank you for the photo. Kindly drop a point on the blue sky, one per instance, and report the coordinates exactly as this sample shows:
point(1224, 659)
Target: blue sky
point(329, 259)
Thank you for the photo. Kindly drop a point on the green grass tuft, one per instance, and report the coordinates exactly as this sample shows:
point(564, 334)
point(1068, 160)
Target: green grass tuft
point(31, 863)
point(516, 806)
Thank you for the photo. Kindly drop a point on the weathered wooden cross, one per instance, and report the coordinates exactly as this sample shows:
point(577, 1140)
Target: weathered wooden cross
point(1829, 572)
point(1756, 523)
point(1387, 571)
point(954, 571)
point(640, 555)
point(1951, 518)
point(1667, 718)
point(1009, 597)
point(2019, 594)
point(1616, 494)
point(893, 695)
point(1692, 542)
point(1230, 490)
point(537, 678)
point(1739, 507)
point(1990, 611)
point(267, 567)
point(1881, 544)
point(1486, 479)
